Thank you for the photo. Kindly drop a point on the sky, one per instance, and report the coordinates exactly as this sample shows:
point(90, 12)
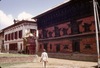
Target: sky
point(23, 9)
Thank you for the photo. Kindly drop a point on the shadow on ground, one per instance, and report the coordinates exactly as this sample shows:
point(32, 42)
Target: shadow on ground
point(96, 66)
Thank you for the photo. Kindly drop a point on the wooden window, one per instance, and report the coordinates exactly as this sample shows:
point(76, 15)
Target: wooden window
point(6, 37)
point(46, 46)
point(16, 35)
point(20, 34)
point(45, 33)
point(57, 47)
point(87, 27)
point(64, 30)
point(13, 46)
point(57, 31)
point(87, 46)
point(65, 47)
point(11, 36)
point(50, 46)
point(75, 27)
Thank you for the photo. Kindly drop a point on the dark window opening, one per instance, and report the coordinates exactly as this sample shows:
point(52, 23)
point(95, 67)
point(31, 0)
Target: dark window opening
point(11, 36)
point(64, 31)
point(20, 34)
point(87, 27)
point(46, 46)
point(50, 34)
point(57, 32)
point(75, 27)
point(45, 33)
point(76, 46)
point(16, 35)
point(13, 46)
point(6, 37)
point(40, 36)
point(65, 47)
point(87, 46)
point(50, 46)
point(57, 47)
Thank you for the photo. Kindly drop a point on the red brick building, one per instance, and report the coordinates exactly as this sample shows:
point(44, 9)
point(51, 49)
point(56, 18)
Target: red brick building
point(68, 28)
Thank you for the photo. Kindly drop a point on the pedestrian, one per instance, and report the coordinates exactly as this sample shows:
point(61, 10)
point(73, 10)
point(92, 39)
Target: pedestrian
point(44, 58)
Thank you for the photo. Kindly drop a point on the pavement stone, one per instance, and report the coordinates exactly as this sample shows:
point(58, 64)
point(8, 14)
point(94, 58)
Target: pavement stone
point(57, 63)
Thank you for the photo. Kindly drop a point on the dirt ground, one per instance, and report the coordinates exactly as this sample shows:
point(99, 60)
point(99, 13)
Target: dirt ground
point(56, 63)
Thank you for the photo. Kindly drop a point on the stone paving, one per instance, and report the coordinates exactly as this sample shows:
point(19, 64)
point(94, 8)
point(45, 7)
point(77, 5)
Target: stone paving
point(57, 63)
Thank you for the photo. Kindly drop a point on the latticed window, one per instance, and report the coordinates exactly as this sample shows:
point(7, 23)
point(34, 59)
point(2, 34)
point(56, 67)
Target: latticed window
point(45, 33)
point(65, 47)
point(87, 27)
point(57, 31)
point(87, 46)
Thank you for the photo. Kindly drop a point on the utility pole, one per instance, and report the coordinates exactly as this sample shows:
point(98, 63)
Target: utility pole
point(97, 22)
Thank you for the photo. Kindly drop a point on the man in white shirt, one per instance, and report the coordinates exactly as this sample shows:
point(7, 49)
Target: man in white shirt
point(44, 58)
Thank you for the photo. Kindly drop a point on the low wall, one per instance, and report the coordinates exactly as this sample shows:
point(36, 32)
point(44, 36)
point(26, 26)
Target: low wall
point(79, 57)
point(16, 59)
point(73, 56)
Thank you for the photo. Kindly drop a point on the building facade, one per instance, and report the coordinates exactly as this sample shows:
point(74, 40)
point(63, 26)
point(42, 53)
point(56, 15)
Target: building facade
point(1, 40)
point(14, 35)
point(68, 28)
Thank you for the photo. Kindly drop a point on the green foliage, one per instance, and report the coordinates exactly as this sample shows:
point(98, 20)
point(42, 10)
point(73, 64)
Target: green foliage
point(7, 65)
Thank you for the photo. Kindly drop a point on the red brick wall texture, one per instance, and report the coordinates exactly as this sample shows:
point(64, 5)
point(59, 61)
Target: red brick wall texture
point(87, 44)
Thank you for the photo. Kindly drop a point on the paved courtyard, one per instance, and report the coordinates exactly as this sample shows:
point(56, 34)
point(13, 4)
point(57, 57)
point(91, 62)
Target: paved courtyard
point(57, 63)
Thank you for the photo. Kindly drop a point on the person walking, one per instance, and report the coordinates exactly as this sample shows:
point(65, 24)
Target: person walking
point(44, 58)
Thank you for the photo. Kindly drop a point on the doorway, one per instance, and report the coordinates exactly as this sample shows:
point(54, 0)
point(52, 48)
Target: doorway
point(46, 46)
point(57, 47)
point(76, 46)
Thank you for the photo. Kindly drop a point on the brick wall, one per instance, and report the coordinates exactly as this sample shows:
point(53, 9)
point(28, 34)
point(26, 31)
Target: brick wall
point(66, 37)
point(88, 46)
point(80, 57)
point(65, 46)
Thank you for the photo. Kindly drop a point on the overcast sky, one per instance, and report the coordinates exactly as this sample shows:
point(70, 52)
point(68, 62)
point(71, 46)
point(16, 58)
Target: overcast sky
point(23, 9)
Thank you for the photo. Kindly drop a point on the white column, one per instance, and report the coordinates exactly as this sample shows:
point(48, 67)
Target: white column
point(18, 46)
point(36, 41)
point(22, 46)
point(96, 28)
point(7, 48)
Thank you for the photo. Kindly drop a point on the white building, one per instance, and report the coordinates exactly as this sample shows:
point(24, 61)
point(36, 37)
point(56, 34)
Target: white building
point(14, 34)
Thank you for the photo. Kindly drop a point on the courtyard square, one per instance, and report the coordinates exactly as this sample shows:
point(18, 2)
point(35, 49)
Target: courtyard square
point(57, 63)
